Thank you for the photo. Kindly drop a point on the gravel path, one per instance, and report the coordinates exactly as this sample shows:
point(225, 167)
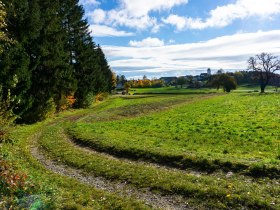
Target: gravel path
point(122, 189)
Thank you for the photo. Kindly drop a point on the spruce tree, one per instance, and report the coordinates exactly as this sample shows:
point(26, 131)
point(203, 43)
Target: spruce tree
point(3, 34)
point(52, 55)
point(105, 74)
point(15, 77)
point(90, 65)
point(82, 50)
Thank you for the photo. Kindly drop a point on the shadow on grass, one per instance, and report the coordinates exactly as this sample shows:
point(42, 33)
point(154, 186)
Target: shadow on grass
point(170, 93)
point(136, 96)
point(178, 161)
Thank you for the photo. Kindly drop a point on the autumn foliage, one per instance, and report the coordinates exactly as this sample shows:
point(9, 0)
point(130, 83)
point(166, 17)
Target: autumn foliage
point(146, 83)
point(13, 185)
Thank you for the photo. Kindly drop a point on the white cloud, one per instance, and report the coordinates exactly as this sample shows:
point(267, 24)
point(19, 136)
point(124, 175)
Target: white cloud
point(178, 21)
point(171, 41)
point(148, 42)
point(98, 16)
point(122, 18)
point(103, 31)
point(134, 14)
point(225, 15)
point(89, 2)
point(227, 52)
point(143, 7)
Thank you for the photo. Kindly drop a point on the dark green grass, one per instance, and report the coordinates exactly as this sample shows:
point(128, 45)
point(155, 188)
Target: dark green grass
point(172, 90)
point(232, 132)
point(186, 91)
point(207, 191)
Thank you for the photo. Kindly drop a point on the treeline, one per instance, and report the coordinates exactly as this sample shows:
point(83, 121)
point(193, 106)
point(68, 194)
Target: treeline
point(50, 58)
point(252, 78)
point(139, 83)
point(238, 77)
point(146, 83)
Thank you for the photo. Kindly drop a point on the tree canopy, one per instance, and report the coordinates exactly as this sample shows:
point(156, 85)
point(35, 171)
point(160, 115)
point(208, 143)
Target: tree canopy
point(53, 57)
point(265, 65)
point(224, 80)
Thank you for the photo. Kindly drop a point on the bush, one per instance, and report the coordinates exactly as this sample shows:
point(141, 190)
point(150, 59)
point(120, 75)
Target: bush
point(101, 97)
point(6, 120)
point(13, 186)
point(39, 111)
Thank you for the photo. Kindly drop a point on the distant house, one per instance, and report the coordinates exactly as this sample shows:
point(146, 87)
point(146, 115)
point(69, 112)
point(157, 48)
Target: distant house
point(204, 76)
point(168, 80)
point(197, 78)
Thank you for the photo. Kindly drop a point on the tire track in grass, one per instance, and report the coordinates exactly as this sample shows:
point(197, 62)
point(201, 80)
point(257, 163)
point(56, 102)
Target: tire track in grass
point(219, 174)
point(202, 204)
point(122, 189)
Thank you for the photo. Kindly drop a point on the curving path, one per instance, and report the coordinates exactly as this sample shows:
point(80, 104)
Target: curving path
point(172, 202)
point(123, 189)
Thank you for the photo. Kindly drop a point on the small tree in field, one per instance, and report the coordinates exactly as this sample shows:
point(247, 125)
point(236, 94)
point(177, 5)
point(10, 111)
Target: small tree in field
point(224, 80)
point(228, 82)
point(181, 81)
point(127, 87)
point(265, 64)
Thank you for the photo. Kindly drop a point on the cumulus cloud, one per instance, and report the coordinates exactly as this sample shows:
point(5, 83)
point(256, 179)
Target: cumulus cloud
point(148, 42)
point(103, 31)
point(134, 14)
point(143, 7)
point(227, 52)
point(171, 41)
point(89, 2)
point(98, 16)
point(225, 15)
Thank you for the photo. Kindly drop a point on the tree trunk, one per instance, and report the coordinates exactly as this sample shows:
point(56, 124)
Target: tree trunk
point(262, 88)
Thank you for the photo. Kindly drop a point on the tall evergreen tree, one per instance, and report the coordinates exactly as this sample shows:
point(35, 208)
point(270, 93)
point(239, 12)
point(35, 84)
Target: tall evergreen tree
point(105, 79)
point(52, 53)
point(52, 76)
point(15, 77)
point(3, 34)
point(84, 56)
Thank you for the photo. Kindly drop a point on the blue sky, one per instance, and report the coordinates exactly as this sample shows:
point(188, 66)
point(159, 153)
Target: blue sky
point(178, 37)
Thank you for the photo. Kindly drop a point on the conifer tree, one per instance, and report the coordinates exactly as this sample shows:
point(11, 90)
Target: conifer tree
point(105, 78)
point(52, 78)
point(84, 54)
point(15, 78)
point(3, 35)
point(53, 55)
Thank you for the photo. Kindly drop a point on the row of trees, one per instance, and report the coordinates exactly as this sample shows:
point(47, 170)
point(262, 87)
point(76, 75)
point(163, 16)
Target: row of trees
point(50, 57)
point(224, 80)
point(264, 68)
point(146, 83)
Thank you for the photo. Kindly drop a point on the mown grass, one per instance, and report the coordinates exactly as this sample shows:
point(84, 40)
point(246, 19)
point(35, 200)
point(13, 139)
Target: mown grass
point(54, 191)
point(172, 90)
point(207, 132)
point(230, 132)
point(117, 108)
point(203, 190)
point(184, 90)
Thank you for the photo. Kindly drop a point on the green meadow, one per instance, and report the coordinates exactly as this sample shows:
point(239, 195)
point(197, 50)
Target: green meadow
point(210, 149)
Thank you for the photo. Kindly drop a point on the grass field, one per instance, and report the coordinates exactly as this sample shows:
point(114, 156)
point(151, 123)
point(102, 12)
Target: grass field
point(208, 150)
point(178, 90)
